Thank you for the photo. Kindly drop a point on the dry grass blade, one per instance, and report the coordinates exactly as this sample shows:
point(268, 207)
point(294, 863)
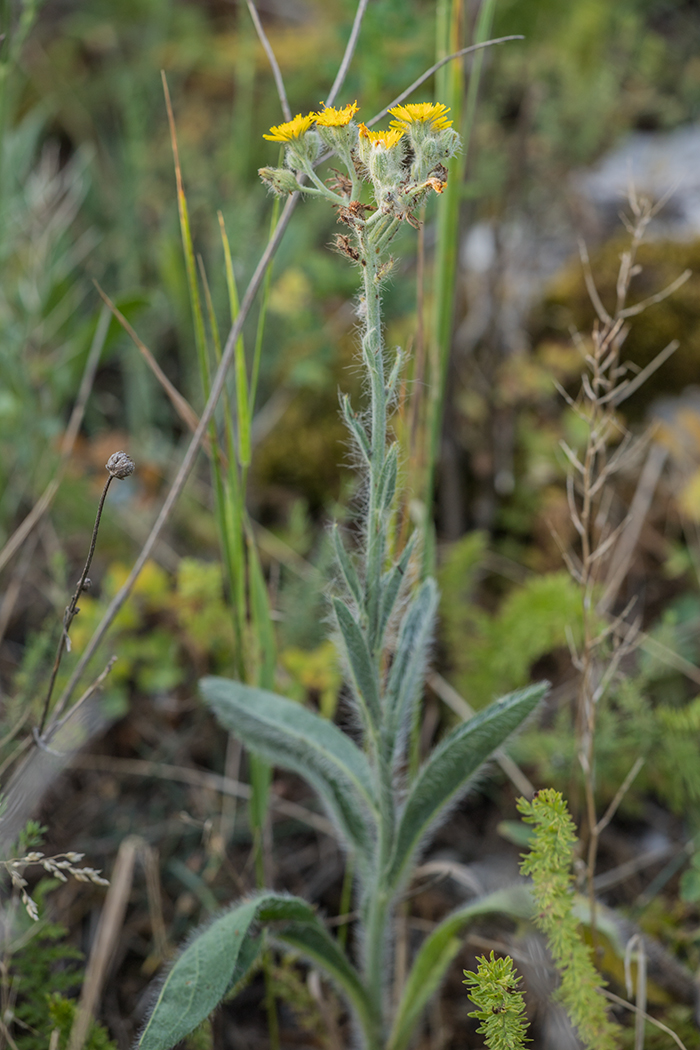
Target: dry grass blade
point(181, 405)
point(647, 1017)
point(106, 938)
point(639, 380)
point(438, 65)
point(590, 285)
point(638, 308)
point(199, 778)
point(641, 502)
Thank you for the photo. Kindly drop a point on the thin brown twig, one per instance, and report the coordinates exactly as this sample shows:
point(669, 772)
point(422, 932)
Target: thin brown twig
point(349, 52)
point(72, 608)
point(139, 767)
point(272, 59)
point(647, 1017)
point(438, 65)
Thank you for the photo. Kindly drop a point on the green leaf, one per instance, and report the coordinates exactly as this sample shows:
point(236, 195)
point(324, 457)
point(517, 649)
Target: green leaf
point(391, 585)
point(387, 478)
point(289, 735)
point(446, 773)
point(199, 979)
point(220, 957)
point(364, 674)
point(356, 429)
point(314, 942)
point(346, 567)
point(439, 949)
point(408, 668)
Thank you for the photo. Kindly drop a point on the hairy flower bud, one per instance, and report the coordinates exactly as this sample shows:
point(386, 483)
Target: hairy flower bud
point(280, 180)
point(120, 466)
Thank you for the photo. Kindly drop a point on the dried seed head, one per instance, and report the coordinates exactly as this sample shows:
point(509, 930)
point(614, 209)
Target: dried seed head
point(120, 466)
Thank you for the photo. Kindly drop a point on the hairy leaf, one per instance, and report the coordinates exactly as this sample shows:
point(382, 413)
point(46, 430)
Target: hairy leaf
point(387, 479)
point(356, 429)
point(446, 773)
point(439, 949)
point(219, 958)
point(408, 668)
point(289, 735)
point(314, 942)
point(346, 566)
point(391, 584)
point(199, 980)
point(362, 669)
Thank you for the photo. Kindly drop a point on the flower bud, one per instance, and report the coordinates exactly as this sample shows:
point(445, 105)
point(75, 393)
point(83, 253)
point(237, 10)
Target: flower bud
point(120, 466)
point(280, 180)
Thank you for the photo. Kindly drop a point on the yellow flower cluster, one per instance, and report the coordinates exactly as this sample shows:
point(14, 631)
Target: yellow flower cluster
point(387, 139)
point(433, 114)
point(328, 117)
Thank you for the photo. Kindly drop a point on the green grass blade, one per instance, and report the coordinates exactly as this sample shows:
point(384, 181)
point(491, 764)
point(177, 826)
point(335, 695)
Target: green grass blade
point(257, 353)
point(243, 400)
point(313, 941)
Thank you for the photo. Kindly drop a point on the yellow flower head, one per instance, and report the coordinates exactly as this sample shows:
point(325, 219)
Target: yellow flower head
point(329, 117)
point(293, 129)
point(387, 139)
point(432, 113)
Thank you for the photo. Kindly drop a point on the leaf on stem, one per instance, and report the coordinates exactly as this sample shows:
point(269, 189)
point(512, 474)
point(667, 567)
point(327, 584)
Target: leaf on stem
point(365, 684)
point(219, 958)
point(289, 735)
point(446, 773)
point(408, 668)
point(391, 585)
point(352, 581)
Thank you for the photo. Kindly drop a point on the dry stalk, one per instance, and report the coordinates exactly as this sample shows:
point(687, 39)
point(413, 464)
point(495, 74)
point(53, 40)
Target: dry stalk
point(117, 466)
point(603, 554)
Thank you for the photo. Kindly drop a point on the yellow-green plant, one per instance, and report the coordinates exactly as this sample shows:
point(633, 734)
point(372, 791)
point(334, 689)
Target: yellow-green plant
point(499, 1005)
point(383, 628)
point(549, 862)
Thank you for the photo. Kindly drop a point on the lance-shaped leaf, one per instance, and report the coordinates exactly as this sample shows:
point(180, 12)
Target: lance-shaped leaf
point(439, 949)
point(289, 735)
point(408, 668)
point(387, 478)
point(446, 773)
point(355, 427)
point(364, 674)
point(391, 585)
point(315, 943)
point(219, 957)
point(347, 568)
point(199, 979)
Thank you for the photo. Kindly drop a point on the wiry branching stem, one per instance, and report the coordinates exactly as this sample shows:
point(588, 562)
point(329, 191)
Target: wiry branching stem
point(603, 387)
